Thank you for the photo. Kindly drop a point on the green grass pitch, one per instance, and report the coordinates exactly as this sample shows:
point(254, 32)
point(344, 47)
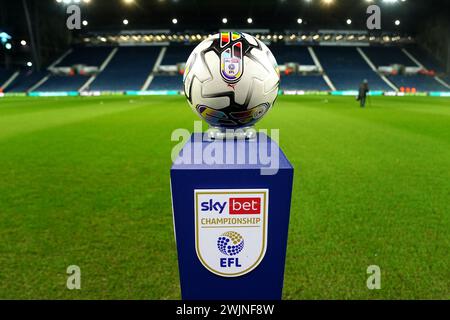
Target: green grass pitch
point(85, 181)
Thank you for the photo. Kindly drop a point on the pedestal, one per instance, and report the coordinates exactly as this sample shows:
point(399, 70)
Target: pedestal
point(231, 216)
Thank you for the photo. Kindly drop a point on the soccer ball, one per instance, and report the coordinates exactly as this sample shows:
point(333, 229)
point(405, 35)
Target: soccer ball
point(231, 80)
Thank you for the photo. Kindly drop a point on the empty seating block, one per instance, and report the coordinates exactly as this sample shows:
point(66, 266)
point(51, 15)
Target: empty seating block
point(127, 70)
point(63, 83)
point(425, 58)
point(176, 54)
point(306, 83)
point(294, 53)
point(386, 56)
point(167, 83)
point(25, 80)
point(419, 82)
point(346, 68)
point(5, 75)
point(89, 56)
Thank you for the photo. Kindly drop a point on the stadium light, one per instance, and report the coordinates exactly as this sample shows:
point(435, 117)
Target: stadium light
point(23, 43)
point(29, 64)
point(397, 22)
point(8, 46)
point(249, 20)
point(125, 21)
point(67, 2)
point(349, 21)
point(299, 20)
point(224, 20)
point(327, 2)
point(174, 20)
point(85, 23)
point(128, 1)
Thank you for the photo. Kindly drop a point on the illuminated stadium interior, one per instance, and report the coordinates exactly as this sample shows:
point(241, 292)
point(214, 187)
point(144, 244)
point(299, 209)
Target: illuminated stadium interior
point(141, 46)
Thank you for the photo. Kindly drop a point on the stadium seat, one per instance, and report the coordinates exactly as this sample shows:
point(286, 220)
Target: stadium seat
point(346, 68)
point(26, 80)
point(300, 82)
point(386, 56)
point(161, 82)
point(5, 75)
point(63, 83)
point(89, 56)
point(291, 53)
point(177, 54)
point(419, 82)
point(127, 70)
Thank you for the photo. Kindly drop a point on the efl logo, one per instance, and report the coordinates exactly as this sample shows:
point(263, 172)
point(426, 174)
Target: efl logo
point(231, 229)
point(245, 205)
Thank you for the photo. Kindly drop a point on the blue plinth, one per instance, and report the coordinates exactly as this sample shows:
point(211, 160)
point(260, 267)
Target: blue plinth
point(231, 216)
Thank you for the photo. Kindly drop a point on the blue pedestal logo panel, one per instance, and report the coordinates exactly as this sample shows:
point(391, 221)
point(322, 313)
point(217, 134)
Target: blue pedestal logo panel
point(231, 229)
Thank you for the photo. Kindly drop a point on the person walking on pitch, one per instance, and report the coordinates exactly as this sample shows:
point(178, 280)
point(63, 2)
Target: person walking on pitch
point(362, 93)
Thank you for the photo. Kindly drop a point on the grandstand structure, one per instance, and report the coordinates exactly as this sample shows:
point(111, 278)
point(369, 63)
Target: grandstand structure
point(157, 68)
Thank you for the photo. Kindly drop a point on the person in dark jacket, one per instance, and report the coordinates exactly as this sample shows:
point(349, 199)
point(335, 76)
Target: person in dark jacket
point(362, 93)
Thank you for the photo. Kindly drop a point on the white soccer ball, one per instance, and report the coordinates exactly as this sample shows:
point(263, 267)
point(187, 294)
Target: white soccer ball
point(231, 80)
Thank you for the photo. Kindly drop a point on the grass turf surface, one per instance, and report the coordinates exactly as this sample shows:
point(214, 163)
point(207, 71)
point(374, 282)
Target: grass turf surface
point(85, 181)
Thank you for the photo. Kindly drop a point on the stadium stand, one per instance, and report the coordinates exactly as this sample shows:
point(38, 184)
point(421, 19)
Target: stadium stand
point(301, 82)
point(26, 80)
point(5, 75)
point(90, 56)
point(177, 54)
point(418, 82)
point(425, 58)
point(285, 54)
point(174, 55)
point(62, 83)
point(385, 56)
point(163, 82)
point(127, 70)
point(131, 66)
point(347, 69)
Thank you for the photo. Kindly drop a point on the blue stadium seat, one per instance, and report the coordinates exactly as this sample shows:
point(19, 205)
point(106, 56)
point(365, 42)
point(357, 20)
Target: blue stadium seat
point(167, 83)
point(386, 56)
point(347, 69)
point(5, 75)
point(300, 82)
point(63, 83)
point(177, 54)
point(25, 80)
point(419, 82)
point(293, 53)
point(425, 58)
point(127, 70)
point(90, 56)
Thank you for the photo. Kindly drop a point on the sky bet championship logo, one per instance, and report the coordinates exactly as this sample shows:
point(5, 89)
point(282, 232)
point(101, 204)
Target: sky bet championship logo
point(231, 229)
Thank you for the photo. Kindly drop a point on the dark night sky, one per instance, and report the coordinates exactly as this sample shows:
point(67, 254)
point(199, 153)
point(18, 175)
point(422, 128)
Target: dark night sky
point(48, 17)
point(206, 15)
